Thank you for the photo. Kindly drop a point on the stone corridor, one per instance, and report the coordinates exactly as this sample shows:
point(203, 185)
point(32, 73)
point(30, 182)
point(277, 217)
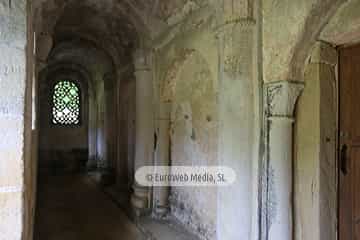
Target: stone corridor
point(72, 207)
point(268, 89)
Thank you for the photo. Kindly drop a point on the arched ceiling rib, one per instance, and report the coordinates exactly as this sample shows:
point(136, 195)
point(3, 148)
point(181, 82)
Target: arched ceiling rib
point(116, 26)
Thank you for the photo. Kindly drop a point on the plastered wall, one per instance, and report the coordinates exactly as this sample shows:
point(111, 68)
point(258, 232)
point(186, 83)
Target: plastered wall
point(14, 144)
point(186, 75)
point(194, 142)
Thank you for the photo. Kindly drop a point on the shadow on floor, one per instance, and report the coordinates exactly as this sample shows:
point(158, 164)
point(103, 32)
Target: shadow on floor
point(72, 207)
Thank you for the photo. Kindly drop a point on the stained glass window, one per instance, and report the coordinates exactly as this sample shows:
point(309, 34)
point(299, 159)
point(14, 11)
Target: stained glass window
point(66, 103)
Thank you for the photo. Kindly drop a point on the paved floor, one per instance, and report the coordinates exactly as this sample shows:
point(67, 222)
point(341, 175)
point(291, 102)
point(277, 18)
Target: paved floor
point(167, 229)
point(72, 208)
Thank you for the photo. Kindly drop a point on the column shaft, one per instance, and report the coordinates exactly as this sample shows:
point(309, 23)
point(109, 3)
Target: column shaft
point(281, 98)
point(280, 168)
point(144, 146)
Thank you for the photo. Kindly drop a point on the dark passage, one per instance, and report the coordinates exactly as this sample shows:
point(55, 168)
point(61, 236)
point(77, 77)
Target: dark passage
point(71, 207)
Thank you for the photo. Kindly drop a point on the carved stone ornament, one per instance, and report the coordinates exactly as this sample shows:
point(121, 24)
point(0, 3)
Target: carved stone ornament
point(281, 98)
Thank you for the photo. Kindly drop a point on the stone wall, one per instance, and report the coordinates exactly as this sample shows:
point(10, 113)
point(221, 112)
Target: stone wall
point(240, 106)
point(194, 143)
point(15, 124)
point(225, 109)
point(186, 77)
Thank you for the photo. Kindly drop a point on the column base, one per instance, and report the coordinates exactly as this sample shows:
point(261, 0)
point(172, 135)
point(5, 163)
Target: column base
point(161, 211)
point(139, 200)
point(91, 166)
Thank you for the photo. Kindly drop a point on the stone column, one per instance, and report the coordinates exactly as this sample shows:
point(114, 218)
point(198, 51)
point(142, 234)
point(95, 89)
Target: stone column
point(144, 132)
point(101, 151)
point(161, 194)
point(110, 124)
point(92, 131)
point(281, 98)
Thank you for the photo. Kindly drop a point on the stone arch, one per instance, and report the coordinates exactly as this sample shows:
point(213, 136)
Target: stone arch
point(86, 81)
point(285, 77)
point(189, 88)
point(48, 77)
point(314, 62)
point(189, 61)
point(315, 23)
point(168, 85)
point(131, 15)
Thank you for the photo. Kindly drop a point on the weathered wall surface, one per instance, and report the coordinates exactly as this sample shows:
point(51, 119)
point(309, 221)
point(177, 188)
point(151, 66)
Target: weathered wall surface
point(315, 149)
point(194, 142)
point(290, 29)
point(283, 24)
point(228, 43)
point(14, 143)
point(186, 76)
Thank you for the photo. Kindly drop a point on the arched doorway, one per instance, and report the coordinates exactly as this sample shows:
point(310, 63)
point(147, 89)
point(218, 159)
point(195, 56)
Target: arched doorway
point(318, 179)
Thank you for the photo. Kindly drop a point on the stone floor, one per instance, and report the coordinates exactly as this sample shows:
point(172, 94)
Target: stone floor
point(153, 227)
point(168, 229)
point(72, 207)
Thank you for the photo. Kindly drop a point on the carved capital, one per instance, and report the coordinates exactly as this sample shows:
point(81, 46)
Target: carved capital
point(139, 198)
point(281, 98)
point(142, 59)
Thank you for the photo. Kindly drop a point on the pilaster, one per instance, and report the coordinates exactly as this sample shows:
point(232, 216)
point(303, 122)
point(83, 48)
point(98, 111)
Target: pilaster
point(236, 36)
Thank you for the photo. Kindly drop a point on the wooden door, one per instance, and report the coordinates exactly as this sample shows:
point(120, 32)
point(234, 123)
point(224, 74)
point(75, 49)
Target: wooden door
point(349, 143)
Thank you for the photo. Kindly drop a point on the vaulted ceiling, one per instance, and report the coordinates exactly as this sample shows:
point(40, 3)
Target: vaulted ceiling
point(116, 27)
